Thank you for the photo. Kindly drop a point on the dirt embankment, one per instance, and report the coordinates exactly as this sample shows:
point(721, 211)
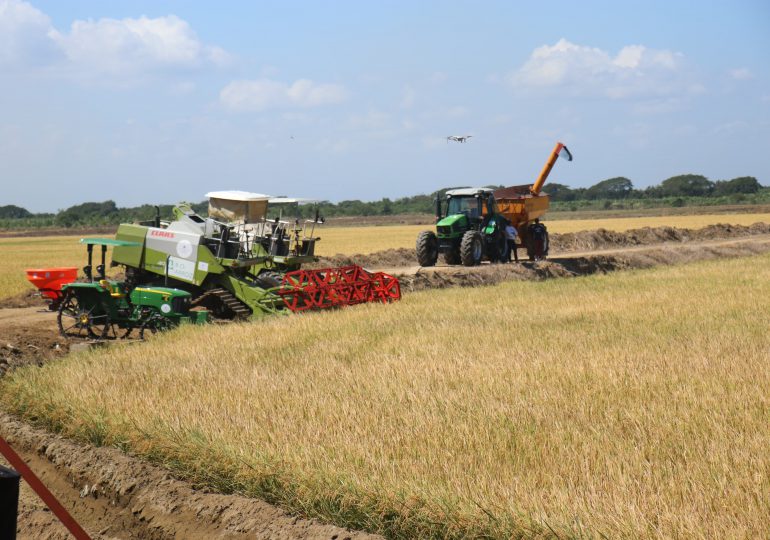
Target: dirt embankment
point(29, 336)
point(569, 242)
point(113, 495)
point(577, 265)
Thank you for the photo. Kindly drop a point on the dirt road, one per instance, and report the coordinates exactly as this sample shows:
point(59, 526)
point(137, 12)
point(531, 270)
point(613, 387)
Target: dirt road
point(116, 496)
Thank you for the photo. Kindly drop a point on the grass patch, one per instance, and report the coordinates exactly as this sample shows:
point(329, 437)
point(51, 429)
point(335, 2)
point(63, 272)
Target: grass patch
point(629, 405)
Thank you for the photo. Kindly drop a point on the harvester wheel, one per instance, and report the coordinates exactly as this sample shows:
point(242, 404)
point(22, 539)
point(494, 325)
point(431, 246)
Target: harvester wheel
point(427, 248)
point(452, 257)
point(471, 248)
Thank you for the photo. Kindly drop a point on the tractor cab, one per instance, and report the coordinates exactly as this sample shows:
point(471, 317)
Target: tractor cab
point(473, 203)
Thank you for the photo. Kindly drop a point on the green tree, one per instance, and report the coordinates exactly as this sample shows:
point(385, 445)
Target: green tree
point(742, 184)
point(612, 188)
point(686, 185)
point(560, 192)
point(11, 211)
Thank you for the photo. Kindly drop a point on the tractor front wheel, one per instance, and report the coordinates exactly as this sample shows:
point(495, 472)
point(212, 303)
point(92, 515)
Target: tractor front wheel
point(427, 248)
point(471, 248)
point(155, 323)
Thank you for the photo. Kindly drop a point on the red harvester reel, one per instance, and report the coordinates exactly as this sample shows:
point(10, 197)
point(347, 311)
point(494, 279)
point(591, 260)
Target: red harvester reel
point(333, 287)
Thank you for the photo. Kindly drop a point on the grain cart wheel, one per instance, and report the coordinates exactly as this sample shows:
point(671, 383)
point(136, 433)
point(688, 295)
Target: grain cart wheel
point(427, 248)
point(471, 248)
point(452, 257)
point(502, 250)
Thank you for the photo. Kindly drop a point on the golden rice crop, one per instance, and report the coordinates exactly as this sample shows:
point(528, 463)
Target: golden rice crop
point(631, 405)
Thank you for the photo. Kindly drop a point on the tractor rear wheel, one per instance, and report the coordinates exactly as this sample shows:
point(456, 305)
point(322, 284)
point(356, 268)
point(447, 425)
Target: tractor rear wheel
point(427, 248)
point(78, 321)
point(471, 248)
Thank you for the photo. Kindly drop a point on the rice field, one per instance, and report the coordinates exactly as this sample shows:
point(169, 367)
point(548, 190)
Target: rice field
point(629, 405)
point(17, 254)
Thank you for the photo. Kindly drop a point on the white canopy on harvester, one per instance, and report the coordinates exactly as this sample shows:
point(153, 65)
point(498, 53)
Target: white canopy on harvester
point(237, 206)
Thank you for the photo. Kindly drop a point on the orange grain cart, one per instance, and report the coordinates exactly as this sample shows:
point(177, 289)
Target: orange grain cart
point(524, 205)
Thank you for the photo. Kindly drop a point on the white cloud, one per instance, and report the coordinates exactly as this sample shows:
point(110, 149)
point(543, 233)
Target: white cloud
point(261, 94)
point(741, 74)
point(112, 45)
point(25, 35)
point(634, 71)
point(104, 46)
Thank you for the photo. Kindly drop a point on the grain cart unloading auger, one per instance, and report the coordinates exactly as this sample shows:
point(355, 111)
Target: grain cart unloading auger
point(470, 227)
point(239, 264)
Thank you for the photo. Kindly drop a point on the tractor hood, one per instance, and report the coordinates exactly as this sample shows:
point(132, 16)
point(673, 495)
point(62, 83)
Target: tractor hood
point(459, 219)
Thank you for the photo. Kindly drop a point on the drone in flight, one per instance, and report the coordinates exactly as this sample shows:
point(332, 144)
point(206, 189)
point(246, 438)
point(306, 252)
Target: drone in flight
point(458, 138)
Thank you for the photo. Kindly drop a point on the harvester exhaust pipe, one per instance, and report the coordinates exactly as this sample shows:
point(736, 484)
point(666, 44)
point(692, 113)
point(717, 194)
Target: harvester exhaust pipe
point(558, 151)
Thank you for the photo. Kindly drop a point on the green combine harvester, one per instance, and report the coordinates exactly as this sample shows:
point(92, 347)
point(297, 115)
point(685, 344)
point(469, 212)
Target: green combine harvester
point(231, 261)
point(234, 264)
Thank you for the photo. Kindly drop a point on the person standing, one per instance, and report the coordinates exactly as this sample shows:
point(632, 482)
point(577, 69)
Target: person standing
point(510, 236)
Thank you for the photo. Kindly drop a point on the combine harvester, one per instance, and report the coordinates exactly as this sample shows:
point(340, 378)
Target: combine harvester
point(470, 227)
point(236, 263)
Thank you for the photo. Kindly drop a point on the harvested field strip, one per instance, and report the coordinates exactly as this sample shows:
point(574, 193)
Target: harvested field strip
point(349, 240)
point(570, 242)
point(627, 405)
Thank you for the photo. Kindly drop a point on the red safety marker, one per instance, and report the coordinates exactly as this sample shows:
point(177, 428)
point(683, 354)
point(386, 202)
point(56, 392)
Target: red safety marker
point(48, 498)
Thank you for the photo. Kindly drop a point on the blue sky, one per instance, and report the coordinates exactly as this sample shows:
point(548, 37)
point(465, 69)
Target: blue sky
point(144, 102)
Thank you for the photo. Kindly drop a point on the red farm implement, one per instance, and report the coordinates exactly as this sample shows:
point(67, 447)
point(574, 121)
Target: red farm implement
point(49, 282)
point(303, 290)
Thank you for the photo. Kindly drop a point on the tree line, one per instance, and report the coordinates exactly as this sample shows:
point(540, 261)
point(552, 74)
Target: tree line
point(675, 190)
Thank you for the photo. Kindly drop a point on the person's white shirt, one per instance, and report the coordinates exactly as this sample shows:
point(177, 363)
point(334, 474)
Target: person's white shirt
point(510, 232)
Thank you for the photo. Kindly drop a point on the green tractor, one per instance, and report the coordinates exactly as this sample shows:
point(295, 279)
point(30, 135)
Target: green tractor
point(468, 230)
point(103, 308)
